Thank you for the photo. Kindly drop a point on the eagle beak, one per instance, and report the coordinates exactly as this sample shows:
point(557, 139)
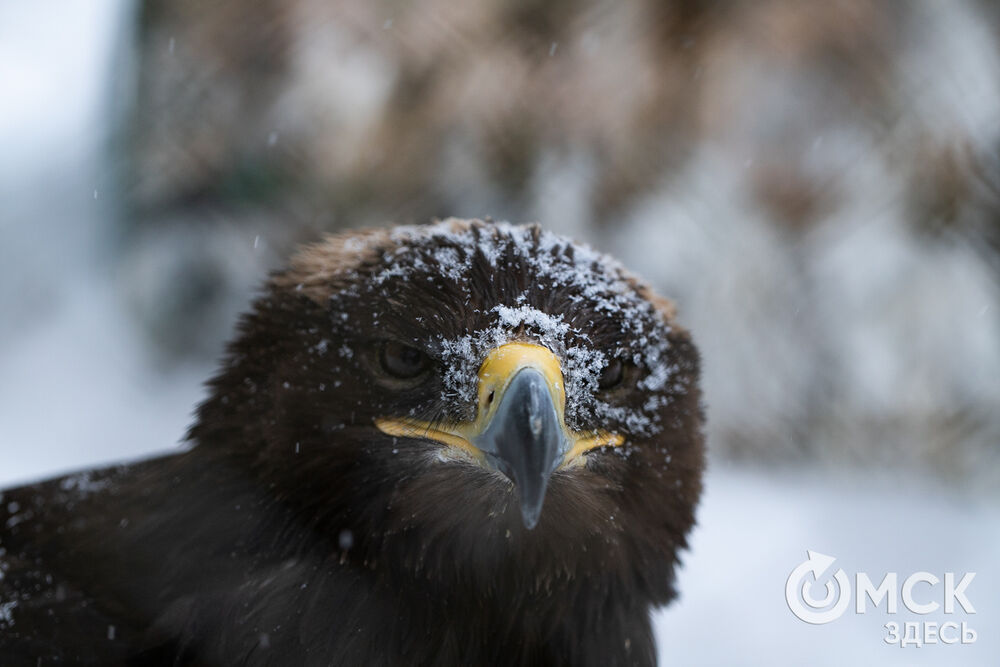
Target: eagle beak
point(525, 440)
point(520, 427)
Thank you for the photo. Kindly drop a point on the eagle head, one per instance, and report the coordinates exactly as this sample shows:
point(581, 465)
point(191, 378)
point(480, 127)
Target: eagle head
point(470, 403)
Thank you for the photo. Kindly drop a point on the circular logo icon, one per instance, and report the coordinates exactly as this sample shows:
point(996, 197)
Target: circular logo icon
point(801, 581)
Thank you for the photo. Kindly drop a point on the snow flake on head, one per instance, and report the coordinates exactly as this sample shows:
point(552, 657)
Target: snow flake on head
point(82, 484)
point(515, 317)
point(7, 613)
point(463, 355)
point(450, 263)
point(500, 282)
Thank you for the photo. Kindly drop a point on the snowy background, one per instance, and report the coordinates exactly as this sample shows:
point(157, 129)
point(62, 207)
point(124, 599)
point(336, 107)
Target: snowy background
point(851, 332)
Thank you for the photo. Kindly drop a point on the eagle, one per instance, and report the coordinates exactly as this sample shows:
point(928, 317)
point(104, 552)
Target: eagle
point(460, 443)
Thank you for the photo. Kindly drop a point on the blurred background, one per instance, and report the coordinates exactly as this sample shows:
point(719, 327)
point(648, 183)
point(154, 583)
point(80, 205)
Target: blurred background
point(816, 185)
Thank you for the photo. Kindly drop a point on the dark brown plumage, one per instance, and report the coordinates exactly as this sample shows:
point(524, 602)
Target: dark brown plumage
point(307, 525)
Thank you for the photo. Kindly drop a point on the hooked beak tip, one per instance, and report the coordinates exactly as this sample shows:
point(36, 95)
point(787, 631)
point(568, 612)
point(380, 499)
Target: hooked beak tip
point(531, 499)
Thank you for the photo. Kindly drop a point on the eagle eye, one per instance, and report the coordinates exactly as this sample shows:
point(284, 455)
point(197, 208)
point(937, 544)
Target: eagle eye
point(612, 375)
point(402, 361)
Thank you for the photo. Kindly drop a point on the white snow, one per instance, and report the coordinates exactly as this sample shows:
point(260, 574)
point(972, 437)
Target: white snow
point(553, 262)
point(6, 613)
point(755, 527)
point(448, 250)
point(77, 383)
point(82, 484)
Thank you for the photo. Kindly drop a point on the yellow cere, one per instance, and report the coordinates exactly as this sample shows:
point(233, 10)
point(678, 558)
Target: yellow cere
point(495, 374)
